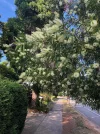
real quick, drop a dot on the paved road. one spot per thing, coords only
(90, 114)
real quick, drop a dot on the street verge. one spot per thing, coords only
(74, 123)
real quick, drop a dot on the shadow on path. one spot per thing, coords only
(50, 123)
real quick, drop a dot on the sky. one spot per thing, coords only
(7, 10)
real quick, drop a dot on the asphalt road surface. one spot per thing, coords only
(91, 115)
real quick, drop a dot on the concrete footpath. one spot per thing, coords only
(50, 123)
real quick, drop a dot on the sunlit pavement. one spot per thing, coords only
(50, 123)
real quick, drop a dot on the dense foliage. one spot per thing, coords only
(30, 14)
(64, 54)
(8, 72)
(36, 13)
(11, 30)
(46, 100)
(13, 107)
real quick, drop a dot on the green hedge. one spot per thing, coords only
(13, 107)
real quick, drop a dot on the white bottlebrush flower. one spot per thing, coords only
(5, 45)
(44, 73)
(40, 69)
(85, 1)
(65, 41)
(22, 75)
(96, 65)
(71, 11)
(19, 50)
(45, 50)
(28, 50)
(22, 54)
(29, 78)
(19, 81)
(95, 44)
(17, 58)
(83, 53)
(88, 73)
(86, 39)
(74, 56)
(98, 37)
(61, 65)
(63, 58)
(38, 35)
(71, 39)
(32, 59)
(52, 73)
(61, 38)
(48, 74)
(35, 73)
(58, 22)
(91, 47)
(94, 23)
(29, 38)
(79, 69)
(59, 83)
(45, 86)
(42, 59)
(85, 88)
(41, 81)
(96, 81)
(29, 68)
(60, 3)
(98, 84)
(91, 29)
(76, 74)
(75, 7)
(65, 79)
(90, 70)
(52, 29)
(38, 55)
(68, 83)
(61, 74)
(63, 85)
(80, 89)
(87, 45)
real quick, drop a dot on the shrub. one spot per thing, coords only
(46, 96)
(13, 107)
(8, 72)
(61, 94)
(44, 103)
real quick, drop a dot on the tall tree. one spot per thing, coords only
(57, 57)
(10, 30)
(30, 14)
(36, 13)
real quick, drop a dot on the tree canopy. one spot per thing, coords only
(10, 30)
(64, 54)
